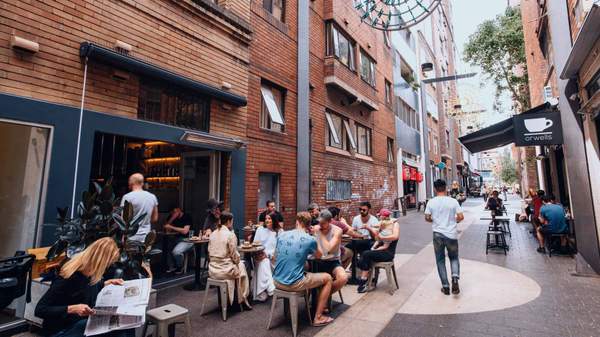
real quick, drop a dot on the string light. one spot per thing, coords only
(394, 14)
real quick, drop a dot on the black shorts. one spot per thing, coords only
(327, 266)
(546, 230)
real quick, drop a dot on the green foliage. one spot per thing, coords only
(498, 47)
(508, 170)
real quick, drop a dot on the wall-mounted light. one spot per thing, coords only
(426, 67)
(123, 47)
(226, 85)
(23, 44)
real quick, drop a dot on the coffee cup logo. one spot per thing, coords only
(538, 124)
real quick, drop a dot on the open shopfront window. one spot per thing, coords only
(178, 175)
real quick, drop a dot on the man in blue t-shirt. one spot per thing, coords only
(291, 253)
(553, 220)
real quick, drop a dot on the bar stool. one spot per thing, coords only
(290, 306)
(165, 317)
(223, 295)
(390, 273)
(499, 240)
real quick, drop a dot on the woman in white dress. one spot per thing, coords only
(267, 236)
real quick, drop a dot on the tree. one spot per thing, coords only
(498, 48)
(508, 170)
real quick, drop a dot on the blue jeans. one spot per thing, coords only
(179, 251)
(440, 244)
(77, 330)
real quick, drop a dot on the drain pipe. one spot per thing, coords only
(79, 137)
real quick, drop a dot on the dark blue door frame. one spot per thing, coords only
(64, 145)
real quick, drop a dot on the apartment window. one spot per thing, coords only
(448, 139)
(338, 190)
(388, 92)
(275, 7)
(363, 140)
(367, 68)
(390, 150)
(386, 38)
(340, 46)
(271, 112)
(174, 106)
(407, 114)
(338, 132)
(268, 188)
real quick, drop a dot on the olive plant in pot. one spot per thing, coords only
(99, 215)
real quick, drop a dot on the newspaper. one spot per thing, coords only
(120, 307)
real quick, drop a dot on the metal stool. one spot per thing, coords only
(499, 240)
(165, 317)
(223, 295)
(290, 299)
(390, 272)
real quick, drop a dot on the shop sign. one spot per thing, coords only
(441, 165)
(419, 177)
(413, 173)
(405, 172)
(538, 129)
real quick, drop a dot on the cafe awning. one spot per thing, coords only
(126, 62)
(499, 134)
(586, 39)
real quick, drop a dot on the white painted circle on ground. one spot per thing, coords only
(483, 286)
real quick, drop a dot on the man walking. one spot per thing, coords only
(444, 213)
(143, 202)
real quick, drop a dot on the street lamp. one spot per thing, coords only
(427, 67)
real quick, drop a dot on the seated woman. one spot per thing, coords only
(267, 236)
(367, 258)
(225, 261)
(69, 301)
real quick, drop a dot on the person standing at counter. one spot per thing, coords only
(143, 202)
(68, 303)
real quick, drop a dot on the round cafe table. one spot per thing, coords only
(198, 283)
(353, 279)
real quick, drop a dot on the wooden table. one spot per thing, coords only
(247, 252)
(198, 283)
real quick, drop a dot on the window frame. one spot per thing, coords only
(390, 150)
(265, 120)
(370, 66)
(388, 92)
(270, 4)
(332, 132)
(368, 134)
(333, 34)
(331, 181)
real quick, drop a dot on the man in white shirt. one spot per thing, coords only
(359, 224)
(444, 213)
(142, 202)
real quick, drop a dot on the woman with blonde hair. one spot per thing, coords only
(69, 301)
(225, 263)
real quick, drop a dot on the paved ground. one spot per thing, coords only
(522, 294)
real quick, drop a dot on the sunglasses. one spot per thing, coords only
(365, 210)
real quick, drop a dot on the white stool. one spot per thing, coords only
(223, 295)
(165, 316)
(290, 299)
(390, 272)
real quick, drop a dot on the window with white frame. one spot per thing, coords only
(390, 150)
(338, 190)
(271, 113)
(340, 46)
(388, 92)
(363, 140)
(339, 134)
(367, 68)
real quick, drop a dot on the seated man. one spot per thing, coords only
(553, 221)
(271, 210)
(329, 240)
(293, 248)
(346, 229)
(179, 222)
(494, 203)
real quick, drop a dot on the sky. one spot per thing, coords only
(477, 92)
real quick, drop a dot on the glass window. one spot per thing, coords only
(390, 150)
(268, 188)
(174, 106)
(363, 140)
(367, 68)
(271, 113)
(275, 7)
(338, 132)
(338, 189)
(388, 92)
(340, 46)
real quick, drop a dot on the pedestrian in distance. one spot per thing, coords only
(444, 213)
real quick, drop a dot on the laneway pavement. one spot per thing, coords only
(521, 294)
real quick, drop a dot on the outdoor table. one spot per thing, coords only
(495, 222)
(353, 240)
(198, 283)
(248, 251)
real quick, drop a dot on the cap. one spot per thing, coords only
(213, 203)
(325, 215)
(384, 212)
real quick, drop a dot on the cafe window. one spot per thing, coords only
(340, 46)
(174, 106)
(390, 150)
(388, 92)
(271, 112)
(338, 190)
(275, 7)
(363, 140)
(339, 134)
(367, 68)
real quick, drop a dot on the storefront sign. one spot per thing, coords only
(538, 129)
(405, 172)
(413, 173)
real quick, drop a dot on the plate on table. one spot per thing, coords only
(256, 243)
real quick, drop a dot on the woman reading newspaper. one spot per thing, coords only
(68, 303)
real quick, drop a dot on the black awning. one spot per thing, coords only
(108, 56)
(491, 137)
(499, 134)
